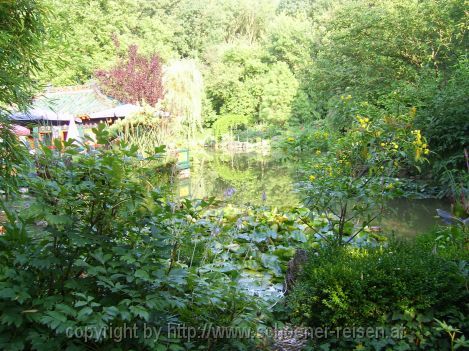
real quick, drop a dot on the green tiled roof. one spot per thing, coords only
(75, 101)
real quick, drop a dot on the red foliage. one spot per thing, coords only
(134, 79)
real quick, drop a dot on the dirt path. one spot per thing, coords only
(289, 339)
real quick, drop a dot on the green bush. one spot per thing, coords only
(310, 139)
(257, 132)
(407, 283)
(98, 248)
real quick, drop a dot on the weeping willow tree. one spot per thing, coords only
(183, 96)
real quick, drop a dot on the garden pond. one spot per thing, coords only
(256, 179)
(255, 243)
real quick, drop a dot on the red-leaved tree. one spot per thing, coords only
(134, 79)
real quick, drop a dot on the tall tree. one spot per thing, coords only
(290, 40)
(279, 90)
(22, 32)
(135, 79)
(84, 30)
(183, 94)
(375, 49)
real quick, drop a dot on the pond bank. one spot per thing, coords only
(237, 146)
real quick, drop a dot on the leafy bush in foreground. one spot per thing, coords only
(406, 284)
(98, 249)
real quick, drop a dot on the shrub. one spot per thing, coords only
(351, 182)
(257, 132)
(145, 130)
(98, 248)
(314, 139)
(403, 284)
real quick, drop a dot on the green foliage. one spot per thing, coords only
(145, 130)
(21, 40)
(249, 19)
(99, 243)
(289, 40)
(13, 157)
(256, 243)
(235, 82)
(445, 122)
(22, 32)
(183, 96)
(456, 342)
(351, 182)
(228, 123)
(202, 24)
(394, 55)
(303, 109)
(258, 132)
(410, 38)
(99, 246)
(401, 285)
(246, 82)
(279, 90)
(313, 139)
(208, 114)
(84, 34)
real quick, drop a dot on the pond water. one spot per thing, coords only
(265, 179)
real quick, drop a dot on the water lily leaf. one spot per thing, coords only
(299, 235)
(251, 264)
(271, 262)
(284, 253)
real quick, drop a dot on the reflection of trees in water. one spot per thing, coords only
(408, 217)
(250, 175)
(201, 173)
(233, 175)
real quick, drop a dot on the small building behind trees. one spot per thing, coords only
(51, 113)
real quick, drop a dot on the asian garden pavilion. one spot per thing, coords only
(51, 113)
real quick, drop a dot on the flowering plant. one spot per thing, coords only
(351, 183)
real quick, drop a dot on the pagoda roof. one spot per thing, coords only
(63, 103)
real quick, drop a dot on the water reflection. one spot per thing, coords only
(242, 179)
(406, 217)
(258, 179)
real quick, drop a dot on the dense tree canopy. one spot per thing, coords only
(291, 61)
(22, 33)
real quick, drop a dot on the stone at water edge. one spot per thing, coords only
(295, 265)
